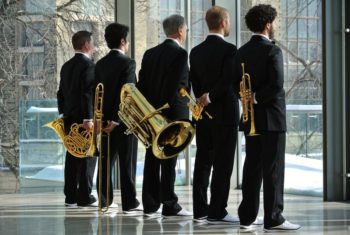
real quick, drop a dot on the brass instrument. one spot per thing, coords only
(247, 101)
(77, 142)
(196, 108)
(150, 127)
(98, 114)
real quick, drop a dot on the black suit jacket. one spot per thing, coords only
(114, 70)
(264, 63)
(75, 93)
(211, 71)
(164, 70)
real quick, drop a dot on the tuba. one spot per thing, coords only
(150, 127)
(196, 108)
(247, 101)
(80, 142)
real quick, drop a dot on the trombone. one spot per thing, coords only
(196, 108)
(247, 101)
(98, 108)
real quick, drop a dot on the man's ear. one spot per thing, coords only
(86, 45)
(268, 26)
(222, 23)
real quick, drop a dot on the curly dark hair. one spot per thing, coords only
(258, 16)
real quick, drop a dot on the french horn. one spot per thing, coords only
(80, 142)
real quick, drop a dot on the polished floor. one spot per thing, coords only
(45, 213)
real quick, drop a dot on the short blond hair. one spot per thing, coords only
(215, 15)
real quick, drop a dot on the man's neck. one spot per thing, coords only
(216, 34)
(84, 53)
(175, 39)
(121, 50)
(217, 31)
(263, 34)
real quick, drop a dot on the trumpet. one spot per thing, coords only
(247, 101)
(195, 107)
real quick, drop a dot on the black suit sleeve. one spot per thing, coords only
(178, 75)
(127, 76)
(129, 73)
(226, 81)
(274, 86)
(141, 84)
(60, 96)
(87, 86)
(194, 79)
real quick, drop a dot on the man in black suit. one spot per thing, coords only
(113, 71)
(210, 75)
(163, 71)
(264, 160)
(74, 98)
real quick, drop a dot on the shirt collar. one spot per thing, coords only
(85, 54)
(119, 50)
(175, 40)
(216, 34)
(262, 35)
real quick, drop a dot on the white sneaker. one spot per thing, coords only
(286, 225)
(71, 205)
(228, 219)
(253, 226)
(133, 210)
(113, 205)
(154, 213)
(258, 221)
(184, 212)
(94, 204)
(200, 219)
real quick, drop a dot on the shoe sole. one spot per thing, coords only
(199, 221)
(222, 222)
(280, 230)
(132, 212)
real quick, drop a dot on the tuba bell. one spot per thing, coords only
(80, 142)
(247, 101)
(150, 127)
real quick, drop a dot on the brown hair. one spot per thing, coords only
(79, 39)
(214, 16)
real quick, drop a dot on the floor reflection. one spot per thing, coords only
(27, 214)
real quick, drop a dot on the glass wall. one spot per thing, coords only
(299, 35)
(36, 42)
(41, 153)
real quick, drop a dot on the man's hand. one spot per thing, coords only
(110, 127)
(204, 100)
(88, 125)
